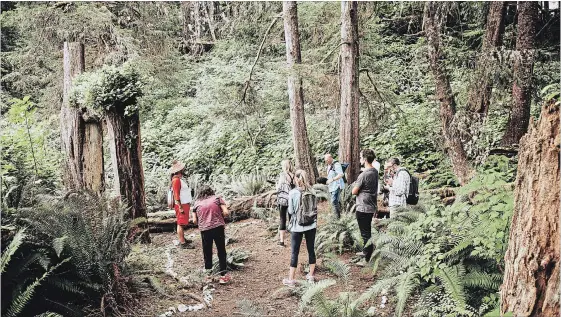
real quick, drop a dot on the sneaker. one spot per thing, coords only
(361, 263)
(225, 279)
(310, 278)
(360, 254)
(187, 246)
(281, 243)
(288, 282)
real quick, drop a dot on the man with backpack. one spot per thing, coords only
(335, 183)
(398, 186)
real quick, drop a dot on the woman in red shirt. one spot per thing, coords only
(210, 211)
(182, 199)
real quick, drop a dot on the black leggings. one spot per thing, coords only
(216, 235)
(296, 240)
(283, 210)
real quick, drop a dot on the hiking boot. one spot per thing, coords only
(288, 282)
(224, 279)
(187, 246)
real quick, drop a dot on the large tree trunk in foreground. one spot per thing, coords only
(82, 139)
(126, 156)
(349, 151)
(523, 68)
(452, 141)
(302, 152)
(479, 96)
(531, 280)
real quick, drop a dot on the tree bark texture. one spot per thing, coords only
(302, 152)
(523, 68)
(479, 96)
(71, 123)
(349, 151)
(82, 139)
(452, 142)
(126, 156)
(531, 281)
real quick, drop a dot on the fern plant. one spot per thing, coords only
(17, 276)
(451, 253)
(235, 260)
(338, 235)
(313, 298)
(95, 237)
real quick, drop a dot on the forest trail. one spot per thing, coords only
(259, 281)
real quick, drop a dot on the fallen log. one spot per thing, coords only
(240, 208)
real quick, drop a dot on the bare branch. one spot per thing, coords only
(248, 81)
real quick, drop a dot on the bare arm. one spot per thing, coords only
(225, 211)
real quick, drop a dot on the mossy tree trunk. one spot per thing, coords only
(523, 69)
(531, 281)
(126, 157)
(81, 134)
(349, 122)
(302, 153)
(433, 21)
(479, 96)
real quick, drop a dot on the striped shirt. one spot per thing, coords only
(209, 212)
(399, 188)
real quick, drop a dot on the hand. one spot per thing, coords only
(225, 214)
(387, 188)
(195, 221)
(181, 210)
(329, 181)
(389, 181)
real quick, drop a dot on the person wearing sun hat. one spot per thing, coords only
(182, 201)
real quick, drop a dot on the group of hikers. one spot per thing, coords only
(297, 205)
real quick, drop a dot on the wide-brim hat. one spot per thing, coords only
(176, 166)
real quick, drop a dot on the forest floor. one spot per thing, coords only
(259, 282)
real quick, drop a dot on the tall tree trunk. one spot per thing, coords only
(479, 95)
(523, 68)
(71, 123)
(302, 152)
(349, 151)
(454, 148)
(94, 171)
(531, 281)
(126, 156)
(82, 137)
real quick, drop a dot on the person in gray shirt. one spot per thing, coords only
(366, 189)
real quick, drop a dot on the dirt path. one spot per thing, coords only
(259, 282)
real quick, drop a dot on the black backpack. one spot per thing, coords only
(343, 167)
(307, 212)
(413, 194)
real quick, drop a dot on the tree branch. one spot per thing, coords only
(378, 92)
(331, 52)
(248, 81)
